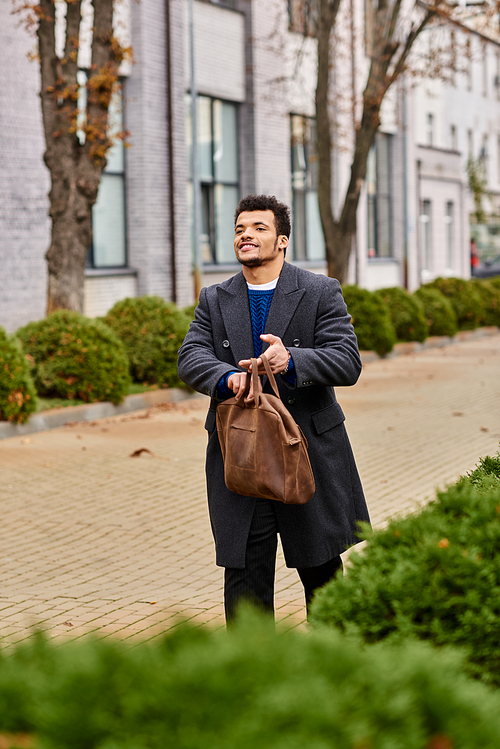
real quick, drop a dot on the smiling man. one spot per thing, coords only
(300, 320)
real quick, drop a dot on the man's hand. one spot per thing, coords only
(237, 383)
(277, 356)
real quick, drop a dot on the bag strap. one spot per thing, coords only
(270, 375)
(254, 377)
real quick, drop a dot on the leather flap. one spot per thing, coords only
(210, 420)
(327, 418)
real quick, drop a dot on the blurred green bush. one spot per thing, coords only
(189, 311)
(406, 312)
(371, 320)
(465, 299)
(152, 331)
(75, 357)
(490, 296)
(246, 688)
(17, 390)
(438, 311)
(434, 575)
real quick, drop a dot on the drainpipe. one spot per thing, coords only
(405, 186)
(198, 265)
(171, 175)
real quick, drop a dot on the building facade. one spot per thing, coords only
(255, 71)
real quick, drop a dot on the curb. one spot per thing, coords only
(58, 417)
(412, 347)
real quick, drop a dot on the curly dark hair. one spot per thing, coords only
(267, 203)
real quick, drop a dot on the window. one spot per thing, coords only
(426, 235)
(453, 138)
(449, 231)
(379, 198)
(307, 237)
(497, 77)
(468, 54)
(218, 173)
(303, 16)
(498, 157)
(430, 129)
(485, 69)
(470, 144)
(109, 239)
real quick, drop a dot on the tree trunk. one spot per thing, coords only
(75, 168)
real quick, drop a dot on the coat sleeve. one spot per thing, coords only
(197, 364)
(334, 360)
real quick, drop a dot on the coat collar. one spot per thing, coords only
(235, 309)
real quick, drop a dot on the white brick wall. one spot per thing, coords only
(101, 293)
(24, 180)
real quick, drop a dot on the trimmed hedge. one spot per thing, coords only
(371, 320)
(465, 299)
(407, 314)
(434, 575)
(17, 390)
(246, 688)
(438, 311)
(152, 331)
(76, 358)
(190, 310)
(490, 295)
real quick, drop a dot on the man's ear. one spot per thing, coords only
(282, 242)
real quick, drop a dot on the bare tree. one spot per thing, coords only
(76, 134)
(390, 43)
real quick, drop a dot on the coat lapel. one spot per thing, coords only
(286, 297)
(235, 311)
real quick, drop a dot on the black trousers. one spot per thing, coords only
(255, 583)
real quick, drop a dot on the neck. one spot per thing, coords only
(264, 273)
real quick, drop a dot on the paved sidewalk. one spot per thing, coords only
(93, 539)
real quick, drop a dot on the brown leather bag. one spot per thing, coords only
(264, 450)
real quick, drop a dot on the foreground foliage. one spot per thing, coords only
(74, 357)
(17, 391)
(490, 296)
(371, 320)
(434, 575)
(152, 331)
(407, 314)
(246, 688)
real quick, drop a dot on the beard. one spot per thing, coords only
(256, 262)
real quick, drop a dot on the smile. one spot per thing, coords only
(247, 246)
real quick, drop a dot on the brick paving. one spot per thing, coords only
(92, 539)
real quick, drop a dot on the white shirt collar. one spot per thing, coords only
(263, 286)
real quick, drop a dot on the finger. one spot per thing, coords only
(245, 363)
(270, 338)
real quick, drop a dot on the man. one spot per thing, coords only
(301, 321)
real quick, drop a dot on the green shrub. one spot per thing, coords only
(152, 331)
(247, 688)
(495, 280)
(189, 311)
(75, 357)
(490, 295)
(371, 320)
(434, 575)
(407, 314)
(438, 311)
(17, 391)
(465, 299)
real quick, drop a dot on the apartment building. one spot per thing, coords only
(254, 74)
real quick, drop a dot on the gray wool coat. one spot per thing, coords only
(309, 314)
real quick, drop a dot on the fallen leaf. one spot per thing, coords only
(68, 624)
(152, 603)
(26, 441)
(140, 451)
(484, 429)
(457, 413)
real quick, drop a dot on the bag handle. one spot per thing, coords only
(270, 375)
(254, 377)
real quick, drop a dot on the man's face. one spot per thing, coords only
(255, 239)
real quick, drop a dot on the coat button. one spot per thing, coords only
(290, 401)
(225, 344)
(296, 342)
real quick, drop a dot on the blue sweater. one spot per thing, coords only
(260, 303)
